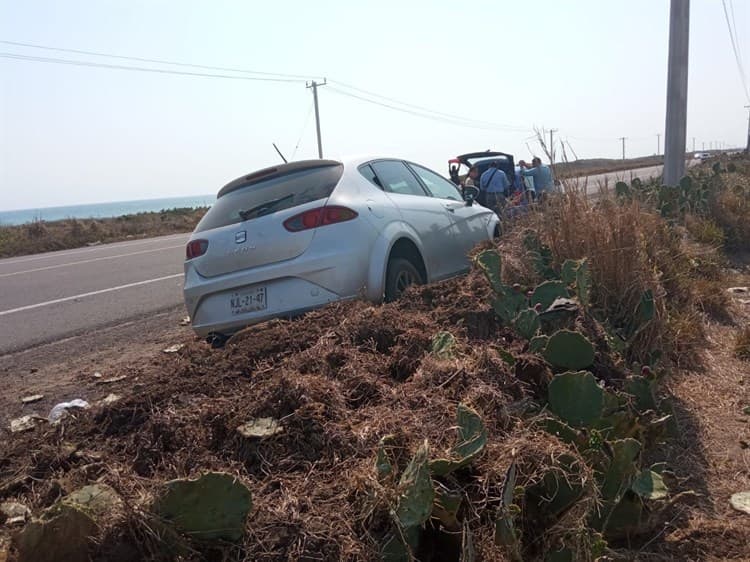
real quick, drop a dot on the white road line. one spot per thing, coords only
(91, 260)
(90, 294)
(107, 246)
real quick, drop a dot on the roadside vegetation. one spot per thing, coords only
(576, 396)
(45, 236)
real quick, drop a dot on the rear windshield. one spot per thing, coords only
(271, 195)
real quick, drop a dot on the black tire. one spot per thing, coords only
(401, 274)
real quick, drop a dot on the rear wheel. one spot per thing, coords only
(400, 275)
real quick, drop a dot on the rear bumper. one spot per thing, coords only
(291, 287)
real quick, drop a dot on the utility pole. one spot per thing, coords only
(314, 85)
(703, 144)
(677, 82)
(623, 146)
(747, 146)
(658, 143)
(693, 144)
(552, 145)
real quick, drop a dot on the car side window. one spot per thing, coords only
(395, 177)
(369, 175)
(439, 186)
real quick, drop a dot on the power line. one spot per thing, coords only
(427, 110)
(157, 61)
(468, 123)
(737, 57)
(15, 56)
(302, 132)
(736, 33)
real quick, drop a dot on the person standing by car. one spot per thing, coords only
(472, 179)
(494, 185)
(527, 183)
(542, 175)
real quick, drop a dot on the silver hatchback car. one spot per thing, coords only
(294, 237)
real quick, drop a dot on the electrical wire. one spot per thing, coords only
(427, 110)
(158, 61)
(736, 33)
(487, 127)
(15, 56)
(302, 132)
(737, 57)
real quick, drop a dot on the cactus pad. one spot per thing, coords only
(569, 350)
(490, 263)
(576, 398)
(546, 293)
(214, 506)
(472, 438)
(416, 492)
(527, 323)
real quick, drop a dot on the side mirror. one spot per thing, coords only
(470, 194)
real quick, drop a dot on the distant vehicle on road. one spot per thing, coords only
(702, 156)
(294, 237)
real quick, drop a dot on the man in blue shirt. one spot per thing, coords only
(494, 184)
(543, 182)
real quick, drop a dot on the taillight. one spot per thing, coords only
(319, 217)
(196, 248)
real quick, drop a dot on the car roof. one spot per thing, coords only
(283, 169)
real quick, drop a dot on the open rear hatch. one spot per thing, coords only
(245, 227)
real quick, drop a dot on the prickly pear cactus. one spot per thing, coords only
(443, 344)
(649, 485)
(416, 493)
(642, 390)
(490, 263)
(538, 343)
(583, 283)
(621, 468)
(622, 189)
(508, 304)
(576, 398)
(62, 534)
(568, 271)
(505, 525)
(546, 293)
(527, 323)
(472, 438)
(214, 506)
(569, 350)
(383, 466)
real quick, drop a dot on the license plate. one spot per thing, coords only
(248, 301)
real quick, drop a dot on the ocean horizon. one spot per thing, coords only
(103, 210)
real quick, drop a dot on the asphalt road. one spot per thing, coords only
(48, 297)
(593, 183)
(52, 296)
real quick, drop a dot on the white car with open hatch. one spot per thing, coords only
(294, 237)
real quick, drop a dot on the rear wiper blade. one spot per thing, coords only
(267, 206)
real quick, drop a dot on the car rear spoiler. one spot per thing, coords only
(273, 172)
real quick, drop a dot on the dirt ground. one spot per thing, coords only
(64, 370)
(340, 379)
(712, 453)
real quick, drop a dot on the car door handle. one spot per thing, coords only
(449, 207)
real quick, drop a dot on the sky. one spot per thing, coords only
(594, 70)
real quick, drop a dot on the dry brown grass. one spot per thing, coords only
(742, 343)
(41, 236)
(631, 249)
(729, 204)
